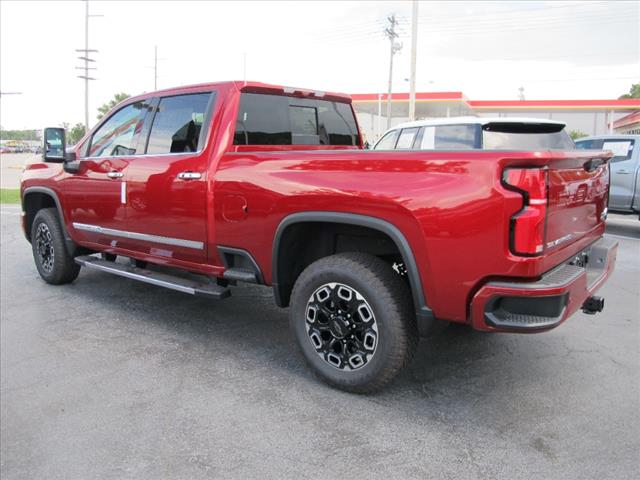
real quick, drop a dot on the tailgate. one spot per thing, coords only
(578, 191)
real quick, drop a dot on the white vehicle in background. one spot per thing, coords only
(472, 133)
(624, 194)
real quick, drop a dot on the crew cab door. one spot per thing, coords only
(167, 186)
(95, 187)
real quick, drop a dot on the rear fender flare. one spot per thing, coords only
(420, 304)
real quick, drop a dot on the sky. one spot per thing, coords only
(488, 50)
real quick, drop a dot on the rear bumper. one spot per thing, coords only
(546, 303)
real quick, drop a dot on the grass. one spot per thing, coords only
(9, 195)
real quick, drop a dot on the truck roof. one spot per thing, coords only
(613, 136)
(468, 120)
(251, 86)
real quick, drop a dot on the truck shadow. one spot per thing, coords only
(248, 331)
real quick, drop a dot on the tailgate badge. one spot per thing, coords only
(559, 240)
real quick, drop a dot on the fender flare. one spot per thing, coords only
(423, 312)
(70, 244)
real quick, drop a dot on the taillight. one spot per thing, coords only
(528, 225)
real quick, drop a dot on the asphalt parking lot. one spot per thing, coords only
(11, 165)
(106, 378)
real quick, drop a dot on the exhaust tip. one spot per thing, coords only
(593, 305)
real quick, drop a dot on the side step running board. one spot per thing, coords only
(160, 279)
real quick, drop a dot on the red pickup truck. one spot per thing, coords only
(200, 187)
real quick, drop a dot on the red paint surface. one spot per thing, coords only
(450, 206)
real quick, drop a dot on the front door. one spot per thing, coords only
(167, 187)
(94, 193)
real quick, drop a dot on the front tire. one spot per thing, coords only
(354, 321)
(53, 262)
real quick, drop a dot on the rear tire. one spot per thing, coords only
(53, 262)
(354, 321)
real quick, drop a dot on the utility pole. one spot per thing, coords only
(391, 34)
(155, 67)
(414, 48)
(85, 57)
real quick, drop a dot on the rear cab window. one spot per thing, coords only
(265, 119)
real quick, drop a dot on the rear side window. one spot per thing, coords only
(120, 133)
(279, 120)
(622, 149)
(523, 136)
(450, 137)
(177, 125)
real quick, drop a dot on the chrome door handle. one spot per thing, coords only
(115, 174)
(189, 175)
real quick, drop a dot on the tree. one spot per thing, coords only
(117, 98)
(18, 134)
(575, 134)
(75, 134)
(634, 92)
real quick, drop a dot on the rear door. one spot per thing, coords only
(167, 186)
(94, 194)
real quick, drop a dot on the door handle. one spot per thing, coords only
(622, 172)
(115, 174)
(189, 175)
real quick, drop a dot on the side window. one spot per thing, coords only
(622, 149)
(388, 142)
(120, 133)
(280, 120)
(177, 125)
(407, 136)
(455, 137)
(588, 144)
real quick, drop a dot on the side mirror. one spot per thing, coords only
(54, 145)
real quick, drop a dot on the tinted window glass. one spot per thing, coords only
(120, 133)
(525, 137)
(589, 144)
(405, 141)
(279, 120)
(453, 137)
(388, 142)
(622, 149)
(177, 125)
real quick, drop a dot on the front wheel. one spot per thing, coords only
(353, 319)
(53, 262)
